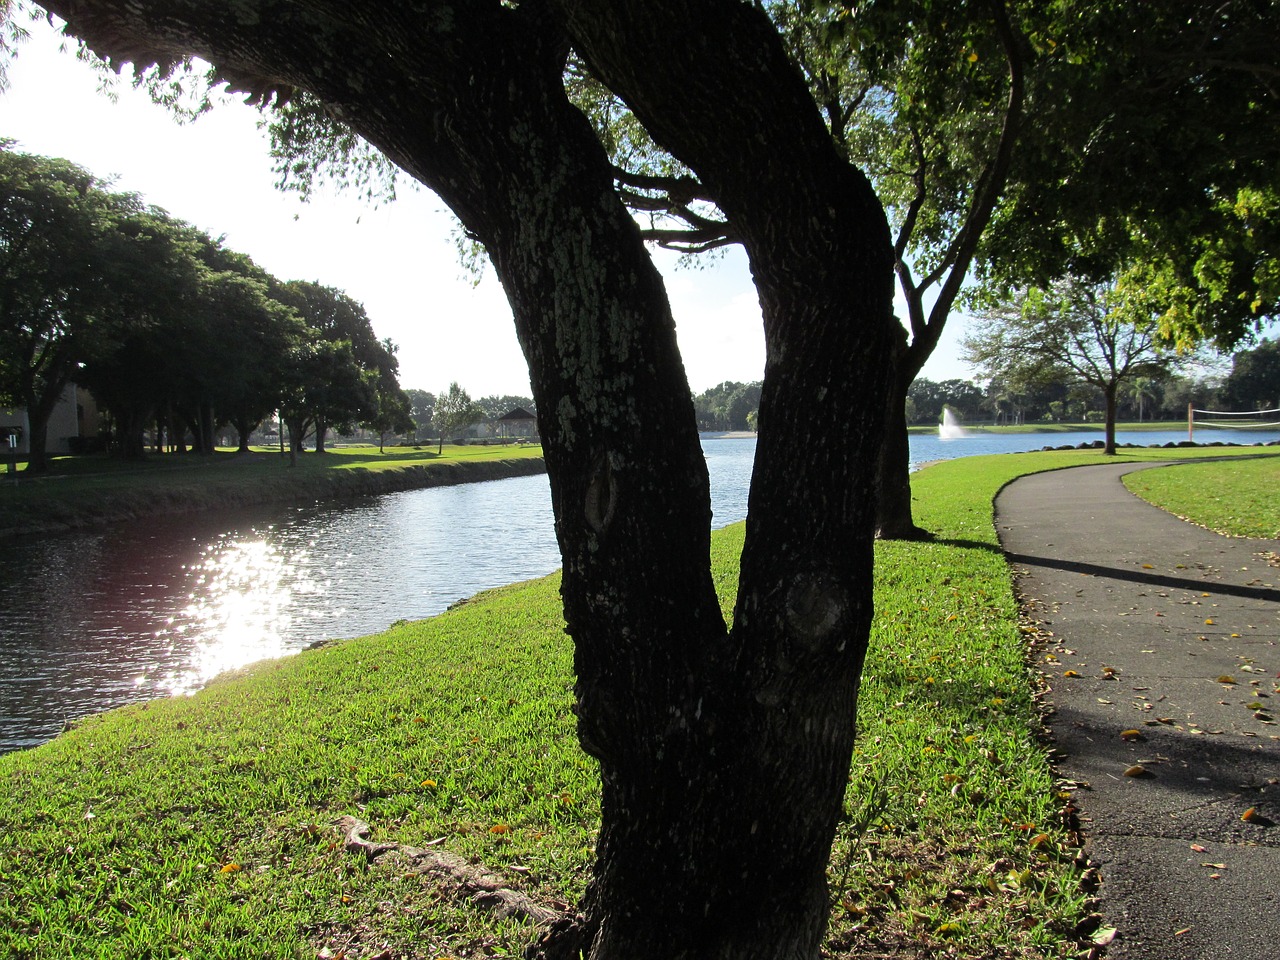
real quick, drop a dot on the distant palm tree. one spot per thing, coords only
(1142, 389)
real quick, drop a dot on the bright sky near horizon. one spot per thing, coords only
(398, 259)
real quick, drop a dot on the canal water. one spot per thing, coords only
(98, 619)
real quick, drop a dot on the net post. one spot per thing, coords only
(1191, 423)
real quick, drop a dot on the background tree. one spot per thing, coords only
(421, 406)
(1181, 390)
(393, 413)
(928, 398)
(454, 412)
(728, 406)
(343, 371)
(1142, 391)
(932, 100)
(1254, 380)
(65, 261)
(1070, 332)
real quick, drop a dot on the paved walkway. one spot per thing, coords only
(1156, 615)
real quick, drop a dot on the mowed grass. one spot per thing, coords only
(1235, 497)
(203, 827)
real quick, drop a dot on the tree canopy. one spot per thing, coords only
(454, 412)
(1254, 381)
(99, 287)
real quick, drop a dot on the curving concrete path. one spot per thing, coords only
(1155, 614)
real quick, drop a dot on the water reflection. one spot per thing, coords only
(157, 607)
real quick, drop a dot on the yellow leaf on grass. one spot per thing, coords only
(231, 868)
(500, 828)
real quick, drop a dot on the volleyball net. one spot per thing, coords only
(1231, 420)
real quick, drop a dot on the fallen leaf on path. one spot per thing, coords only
(1250, 815)
(1199, 848)
(1130, 734)
(1226, 679)
(1070, 673)
(1105, 936)
(1137, 770)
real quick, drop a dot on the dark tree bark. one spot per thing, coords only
(724, 757)
(895, 518)
(734, 859)
(244, 426)
(40, 393)
(1109, 392)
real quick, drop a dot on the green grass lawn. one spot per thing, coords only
(202, 827)
(1235, 497)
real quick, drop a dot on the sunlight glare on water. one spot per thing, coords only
(241, 611)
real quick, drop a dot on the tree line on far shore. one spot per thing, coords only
(1051, 393)
(167, 327)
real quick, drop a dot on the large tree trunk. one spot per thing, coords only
(721, 851)
(1109, 395)
(37, 442)
(723, 757)
(40, 405)
(894, 517)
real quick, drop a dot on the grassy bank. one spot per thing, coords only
(1236, 497)
(203, 827)
(79, 491)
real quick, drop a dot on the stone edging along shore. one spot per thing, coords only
(60, 516)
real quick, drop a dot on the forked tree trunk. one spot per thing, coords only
(720, 849)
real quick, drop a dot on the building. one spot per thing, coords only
(518, 423)
(74, 417)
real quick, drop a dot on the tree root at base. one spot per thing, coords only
(483, 887)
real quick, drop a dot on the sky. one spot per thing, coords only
(398, 259)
